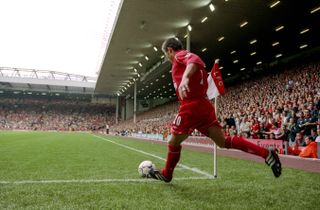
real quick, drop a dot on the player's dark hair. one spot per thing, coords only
(173, 43)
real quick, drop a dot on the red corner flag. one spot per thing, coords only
(215, 82)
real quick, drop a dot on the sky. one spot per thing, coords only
(58, 35)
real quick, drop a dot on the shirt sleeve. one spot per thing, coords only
(188, 58)
(195, 59)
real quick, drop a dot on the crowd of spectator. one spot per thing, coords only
(154, 121)
(281, 106)
(54, 114)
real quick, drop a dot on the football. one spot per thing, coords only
(145, 167)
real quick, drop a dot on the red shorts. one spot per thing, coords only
(195, 114)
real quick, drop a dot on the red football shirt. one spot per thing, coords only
(198, 83)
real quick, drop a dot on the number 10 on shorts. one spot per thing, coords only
(177, 120)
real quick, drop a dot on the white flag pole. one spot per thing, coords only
(214, 144)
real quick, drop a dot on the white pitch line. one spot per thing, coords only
(95, 181)
(155, 156)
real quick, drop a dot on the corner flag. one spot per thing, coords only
(215, 82)
(215, 88)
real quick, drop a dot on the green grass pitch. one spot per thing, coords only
(51, 170)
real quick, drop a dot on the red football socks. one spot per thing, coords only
(172, 160)
(246, 146)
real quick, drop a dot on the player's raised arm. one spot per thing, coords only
(184, 85)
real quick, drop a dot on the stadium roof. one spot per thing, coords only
(31, 80)
(248, 36)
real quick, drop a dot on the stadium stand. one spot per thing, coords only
(54, 114)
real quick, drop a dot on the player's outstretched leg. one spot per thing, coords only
(270, 155)
(235, 142)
